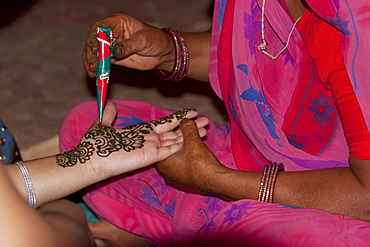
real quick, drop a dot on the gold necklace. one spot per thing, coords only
(262, 46)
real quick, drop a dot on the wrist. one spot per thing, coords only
(181, 62)
(231, 185)
(97, 170)
(217, 182)
(84, 161)
(168, 58)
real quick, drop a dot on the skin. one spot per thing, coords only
(59, 181)
(337, 190)
(344, 191)
(104, 141)
(58, 223)
(144, 47)
(61, 222)
(296, 8)
(108, 235)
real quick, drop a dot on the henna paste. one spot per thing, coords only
(179, 115)
(81, 153)
(104, 140)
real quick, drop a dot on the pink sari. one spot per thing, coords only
(278, 111)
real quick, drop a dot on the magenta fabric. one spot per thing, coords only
(278, 111)
(298, 122)
(142, 203)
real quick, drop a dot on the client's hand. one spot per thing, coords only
(111, 151)
(139, 45)
(194, 167)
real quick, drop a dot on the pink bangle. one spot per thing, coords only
(268, 181)
(181, 65)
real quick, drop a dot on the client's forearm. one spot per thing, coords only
(50, 181)
(60, 223)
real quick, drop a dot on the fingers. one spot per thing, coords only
(89, 61)
(89, 56)
(122, 49)
(119, 24)
(176, 136)
(172, 121)
(169, 137)
(135, 43)
(125, 48)
(165, 151)
(110, 113)
(189, 131)
(202, 122)
(172, 138)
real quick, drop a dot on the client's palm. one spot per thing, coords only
(115, 151)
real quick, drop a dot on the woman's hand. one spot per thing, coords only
(139, 45)
(113, 151)
(194, 168)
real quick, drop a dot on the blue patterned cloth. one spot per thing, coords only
(8, 149)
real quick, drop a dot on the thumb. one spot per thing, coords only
(110, 113)
(121, 50)
(189, 131)
(129, 46)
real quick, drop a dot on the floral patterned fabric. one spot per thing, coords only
(279, 110)
(298, 122)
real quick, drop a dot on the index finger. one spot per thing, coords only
(172, 121)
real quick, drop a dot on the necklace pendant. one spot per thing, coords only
(262, 46)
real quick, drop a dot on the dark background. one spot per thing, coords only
(41, 71)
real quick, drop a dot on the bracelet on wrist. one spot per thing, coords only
(268, 181)
(29, 185)
(181, 65)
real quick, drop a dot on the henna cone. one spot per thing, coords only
(102, 75)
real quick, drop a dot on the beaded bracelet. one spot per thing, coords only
(181, 65)
(267, 186)
(27, 179)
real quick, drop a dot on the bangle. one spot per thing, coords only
(27, 179)
(181, 65)
(267, 186)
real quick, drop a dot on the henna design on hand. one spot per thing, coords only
(105, 140)
(179, 115)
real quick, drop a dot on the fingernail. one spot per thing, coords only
(118, 51)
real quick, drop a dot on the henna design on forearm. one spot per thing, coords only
(81, 153)
(105, 140)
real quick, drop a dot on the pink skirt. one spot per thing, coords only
(142, 203)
